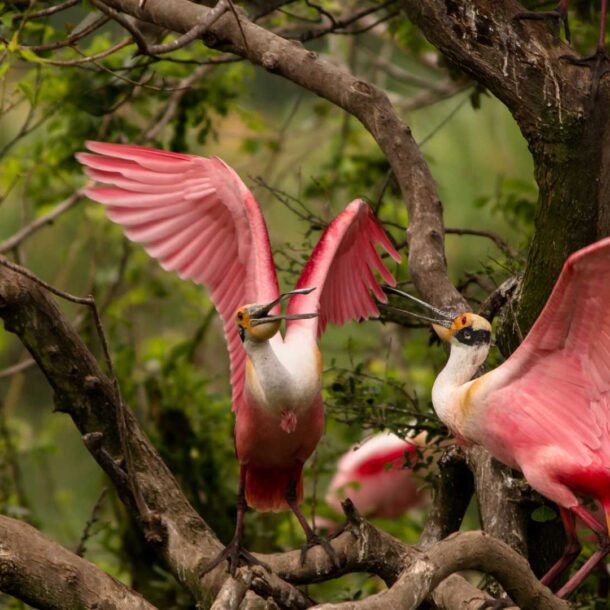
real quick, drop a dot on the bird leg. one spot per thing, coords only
(559, 14)
(234, 552)
(571, 551)
(312, 538)
(604, 548)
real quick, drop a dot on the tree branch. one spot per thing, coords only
(45, 575)
(358, 97)
(463, 551)
(519, 61)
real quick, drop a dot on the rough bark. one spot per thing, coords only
(560, 113)
(466, 551)
(566, 125)
(453, 488)
(45, 575)
(84, 392)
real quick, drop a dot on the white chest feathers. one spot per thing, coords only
(283, 378)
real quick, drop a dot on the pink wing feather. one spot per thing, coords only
(562, 368)
(197, 218)
(341, 268)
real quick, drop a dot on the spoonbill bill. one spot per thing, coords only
(376, 477)
(546, 409)
(197, 217)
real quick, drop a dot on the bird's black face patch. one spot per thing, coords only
(469, 336)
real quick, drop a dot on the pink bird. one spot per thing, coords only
(374, 476)
(199, 219)
(546, 409)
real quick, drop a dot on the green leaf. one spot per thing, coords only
(4, 69)
(27, 90)
(543, 514)
(29, 55)
(13, 45)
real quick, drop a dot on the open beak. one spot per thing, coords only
(440, 317)
(260, 316)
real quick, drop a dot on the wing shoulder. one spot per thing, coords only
(197, 218)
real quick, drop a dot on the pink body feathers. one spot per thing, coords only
(375, 478)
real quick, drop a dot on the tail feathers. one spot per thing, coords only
(266, 487)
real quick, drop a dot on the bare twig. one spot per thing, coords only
(15, 369)
(160, 122)
(500, 242)
(88, 58)
(81, 549)
(123, 21)
(25, 232)
(62, 6)
(208, 19)
(71, 40)
(12, 460)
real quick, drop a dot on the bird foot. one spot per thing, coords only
(496, 604)
(315, 540)
(558, 15)
(235, 554)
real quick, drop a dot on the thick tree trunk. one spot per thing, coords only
(566, 126)
(572, 169)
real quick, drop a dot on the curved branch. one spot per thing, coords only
(463, 551)
(45, 575)
(84, 392)
(356, 96)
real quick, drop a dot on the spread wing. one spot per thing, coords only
(197, 218)
(342, 268)
(563, 365)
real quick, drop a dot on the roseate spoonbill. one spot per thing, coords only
(546, 409)
(374, 476)
(199, 219)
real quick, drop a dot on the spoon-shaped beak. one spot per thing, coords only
(441, 318)
(260, 316)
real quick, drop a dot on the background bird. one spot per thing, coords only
(199, 219)
(377, 476)
(546, 409)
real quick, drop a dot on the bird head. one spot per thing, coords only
(254, 322)
(467, 329)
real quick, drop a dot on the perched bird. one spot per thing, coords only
(377, 476)
(199, 219)
(546, 409)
